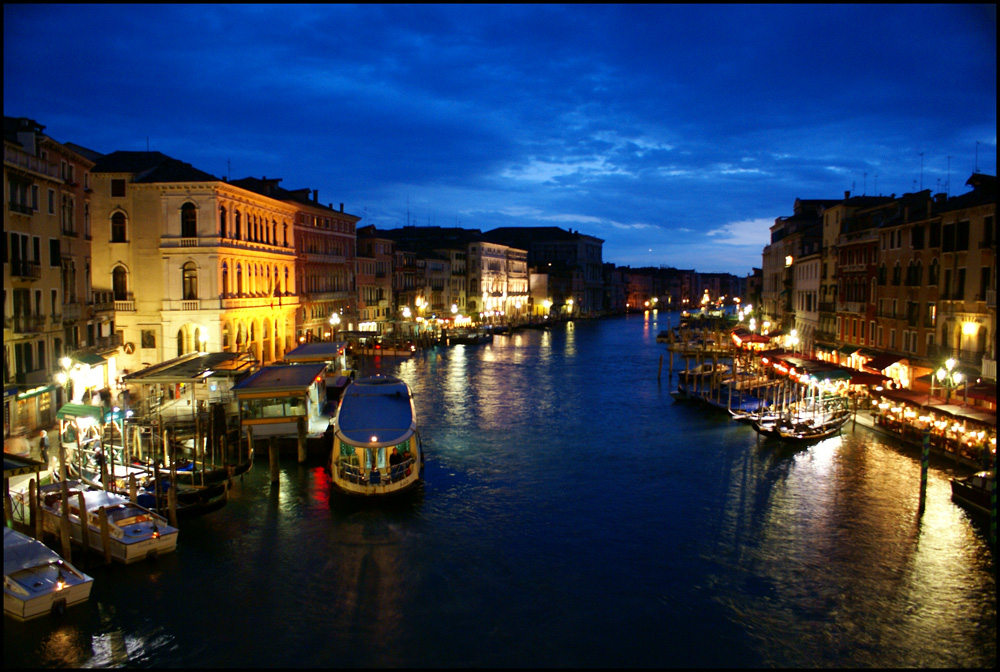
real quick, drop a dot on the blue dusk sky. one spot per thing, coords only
(675, 133)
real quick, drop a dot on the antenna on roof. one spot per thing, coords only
(976, 167)
(947, 185)
(228, 170)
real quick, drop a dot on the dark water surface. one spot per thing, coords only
(572, 514)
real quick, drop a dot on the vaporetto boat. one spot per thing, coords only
(36, 579)
(376, 444)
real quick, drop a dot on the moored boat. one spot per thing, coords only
(975, 491)
(134, 532)
(36, 579)
(376, 444)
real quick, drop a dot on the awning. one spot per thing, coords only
(883, 361)
(93, 360)
(80, 411)
(828, 347)
(35, 391)
(979, 415)
(984, 391)
(866, 378)
(848, 349)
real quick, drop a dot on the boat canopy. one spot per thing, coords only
(22, 552)
(376, 412)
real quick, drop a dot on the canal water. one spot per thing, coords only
(573, 514)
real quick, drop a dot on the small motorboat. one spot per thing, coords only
(36, 580)
(975, 491)
(134, 532)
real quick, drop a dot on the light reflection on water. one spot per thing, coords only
(573, 514)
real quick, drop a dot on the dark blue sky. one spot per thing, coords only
(675, 133)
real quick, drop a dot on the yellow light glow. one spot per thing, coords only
(970, 328)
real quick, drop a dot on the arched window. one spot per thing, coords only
(237, 224)
(225, 280)
(190, 280)
(285, 225)
(239, 280)
(222, 221)
(119, 283)
(180, 341)
(918, 274)
(118, 228)
(896, 270)
(934, 273)
(189, 221)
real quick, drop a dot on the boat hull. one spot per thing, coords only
(37, 581)
(135, 533)
(974, 492)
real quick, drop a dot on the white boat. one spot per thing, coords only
(135, 532)
(376, 445)
(36, 580)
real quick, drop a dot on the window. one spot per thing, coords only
(237, 224)
(917, 237)
(118, 228)
(52, 202)
(962, 235)
(190, 280)
(55, 258)
(189, 221)
(119, 283)
(222, 221)
(118, 188)
(948, 238)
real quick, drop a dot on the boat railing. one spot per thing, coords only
(353, 473)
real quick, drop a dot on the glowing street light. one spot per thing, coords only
(949, 378)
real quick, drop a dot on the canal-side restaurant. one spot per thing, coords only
(958, 411)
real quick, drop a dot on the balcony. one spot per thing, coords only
(25, 270)
(989, 368)
(26, 161)
(104, 343)
(71, 312)
(852, 307)
(25, 324)
(124, 306)
(940, 353)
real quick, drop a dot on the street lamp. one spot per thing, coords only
(949, 378)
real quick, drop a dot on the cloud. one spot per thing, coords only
(754, 233)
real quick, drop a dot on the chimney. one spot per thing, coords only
(847, 195)
(315, 195)
(341, 207)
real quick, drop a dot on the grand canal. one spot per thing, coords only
(573, 514)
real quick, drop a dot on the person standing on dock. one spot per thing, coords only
(43, 446)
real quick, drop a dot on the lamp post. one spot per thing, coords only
(949, 378)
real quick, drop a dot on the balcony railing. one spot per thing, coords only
(124, 306)
(26, 270)
(30, 162)
(940, 353)
(26, 324)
